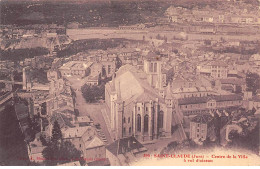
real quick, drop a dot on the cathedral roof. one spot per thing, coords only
(132, 85)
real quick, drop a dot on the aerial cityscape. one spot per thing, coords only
(108, 83)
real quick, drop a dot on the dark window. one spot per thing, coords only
(155, 67)
(138, 122)
(124, 119)
(151, 67)
(109, 69)
(128, 119)
(130, 130)
(161, 119)
(124, 130)
(146, 119)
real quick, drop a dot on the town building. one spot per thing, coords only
(215, 69)
(35, 149)
(75, 69)
(231, 84)
(191, 86)
(201, 128)
(124, 151)
(86, 140)
(207, 104)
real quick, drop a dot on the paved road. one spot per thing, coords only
(93, 110)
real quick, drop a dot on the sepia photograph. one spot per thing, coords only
(129, 82)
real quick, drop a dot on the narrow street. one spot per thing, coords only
(91, 109)
(94, 111)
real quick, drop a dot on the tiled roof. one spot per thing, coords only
(153, 56)
(218, 63)
(62, 120)
(104, 162)
(255, 98)
(218, 98)
(93, 142)
(202, 119)
(233, 81)
(75, 132)
(125, 145)
(227, 87)
(133, 85)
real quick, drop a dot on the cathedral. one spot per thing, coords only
(139, 104)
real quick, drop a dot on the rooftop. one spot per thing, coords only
(218, 98)
(202, 119)
(93, 142)
(76, 65)
(125, 145)
(75, 132)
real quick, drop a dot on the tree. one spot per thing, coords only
(69, 151)
(172, 145)
(252, 82)
(56, 132)
(233, 135)
(62, 153)
(118, 62)
(44, 142)
(238, 89)
(207, 143)
(253, 110)
(51, 154)
(94, 93)
(59, 151)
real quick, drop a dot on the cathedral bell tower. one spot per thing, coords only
(119, 113)
(153, 68)
(169, 111)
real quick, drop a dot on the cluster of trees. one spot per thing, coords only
(95, 93)
(252, 82)
(5, 76)
(18, 76)
(179, 146)
(237, 50)
(21, 54)
(95, 13)
(59, 151)
(247, 139)
(88, 44)
(40, 75)
(33, 128)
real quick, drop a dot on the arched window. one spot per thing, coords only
(138, 122)
(160, 119)
(146, 119)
